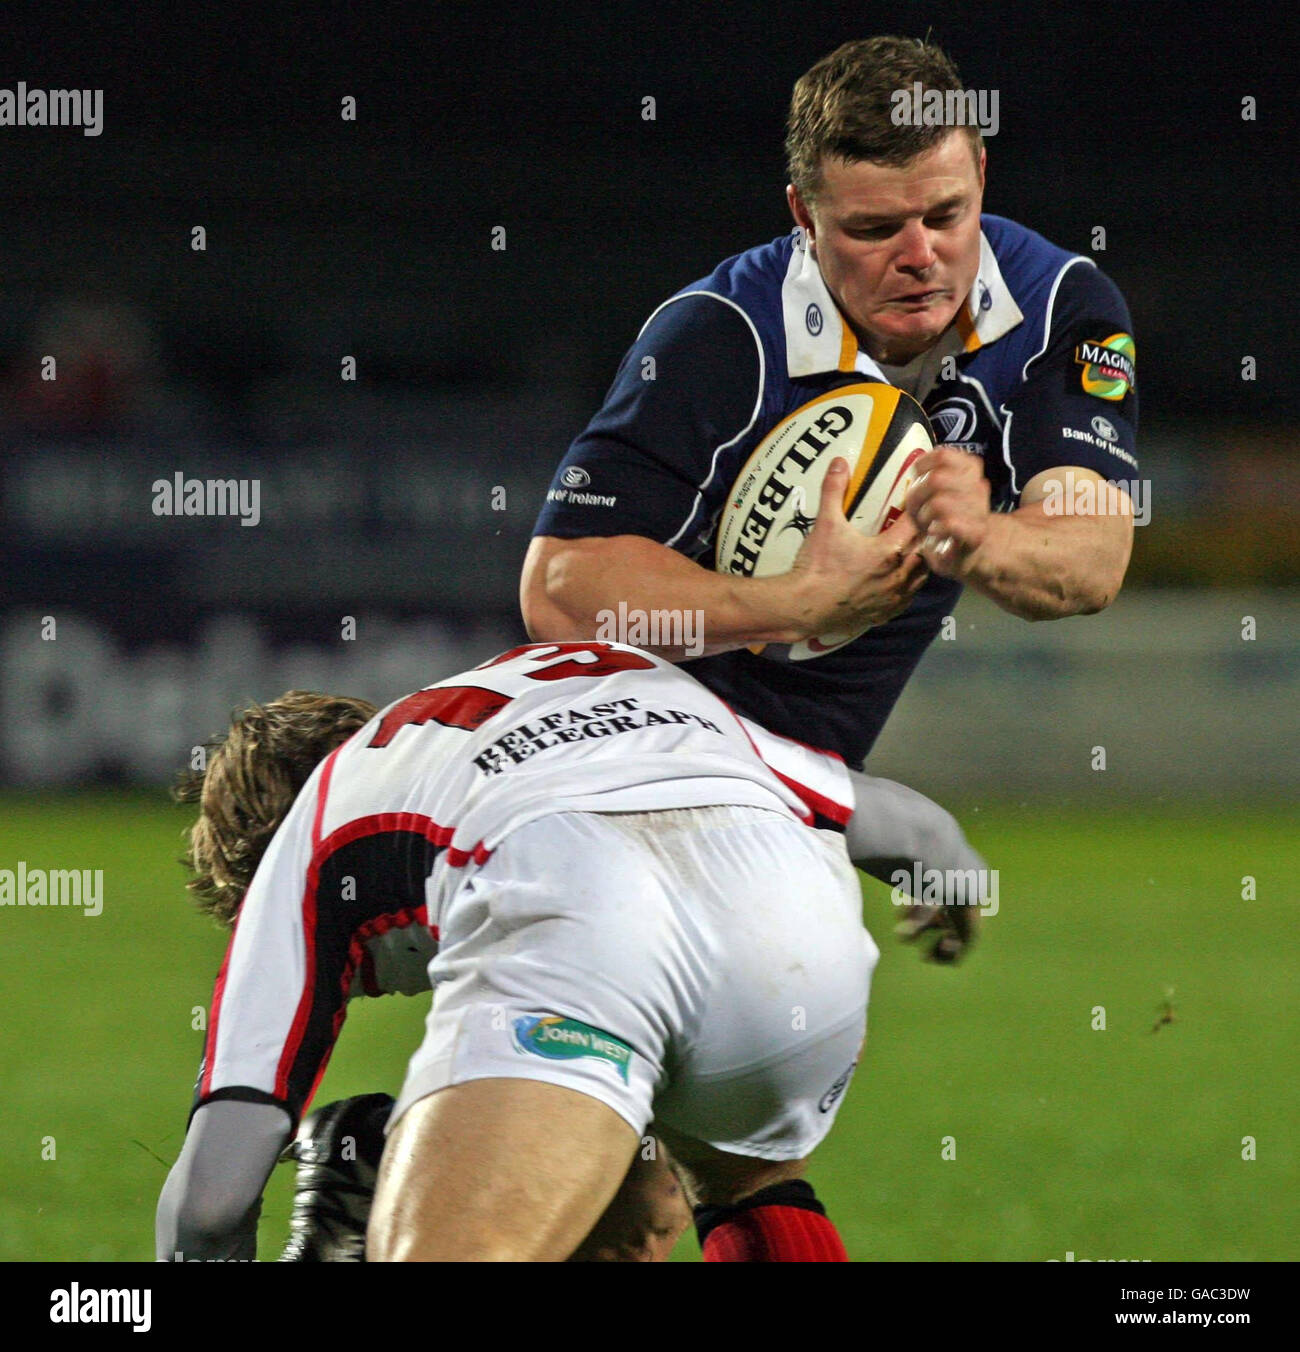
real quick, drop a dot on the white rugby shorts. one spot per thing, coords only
(703, 967)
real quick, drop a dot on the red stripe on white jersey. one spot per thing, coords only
(210, 1048)
(826, 807)
(322, 793)
(795, 763)
(354, 830)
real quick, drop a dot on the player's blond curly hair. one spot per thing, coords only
(253, 775)
(841, 107)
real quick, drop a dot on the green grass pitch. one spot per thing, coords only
(1118, 1144)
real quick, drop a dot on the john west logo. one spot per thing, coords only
(1109, 365)
(560, 1039)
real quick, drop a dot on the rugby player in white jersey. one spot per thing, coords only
(640, 916)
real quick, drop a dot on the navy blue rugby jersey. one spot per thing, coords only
(1036, 372)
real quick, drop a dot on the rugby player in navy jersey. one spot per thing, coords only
(1020, 352)
(1023, 357)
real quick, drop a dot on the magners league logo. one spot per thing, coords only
(1109, 366)
(560, 1039)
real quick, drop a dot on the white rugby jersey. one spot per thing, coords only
(348, 896)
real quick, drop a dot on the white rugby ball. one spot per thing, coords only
(880, 430)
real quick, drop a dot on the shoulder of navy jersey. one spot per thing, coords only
(1035, 276)
(1035, 407)
(780, 288)
(714, 368)
(753, 283)
(750, 280)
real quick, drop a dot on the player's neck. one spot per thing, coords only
(900, 352)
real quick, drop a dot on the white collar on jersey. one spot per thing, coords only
(818, 340)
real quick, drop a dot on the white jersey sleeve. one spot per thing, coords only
(320, 923)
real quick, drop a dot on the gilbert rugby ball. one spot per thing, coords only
(880, 430)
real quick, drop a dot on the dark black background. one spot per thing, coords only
(470, 116)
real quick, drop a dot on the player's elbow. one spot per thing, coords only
(203, 1222)
(1086, 592)
(213, 1225)
(1098, 598)
(1103, 584)
(542, 593)
(1114, 549)
(540, 620)
(1085, 599)
(566, 585)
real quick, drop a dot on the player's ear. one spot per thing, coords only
(799, 209)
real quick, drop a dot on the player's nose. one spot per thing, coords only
(916, 248)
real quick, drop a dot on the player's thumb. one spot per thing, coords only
(835, 487)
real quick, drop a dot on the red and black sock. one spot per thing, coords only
(784, 1223)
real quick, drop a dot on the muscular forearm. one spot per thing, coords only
(840, 581)
(1063, 552)
(579, 582)
(1043, 567)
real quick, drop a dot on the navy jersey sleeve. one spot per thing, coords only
(688, 388)
(1078, 403)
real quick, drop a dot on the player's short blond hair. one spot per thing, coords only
(841, 107)
(252, 776)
